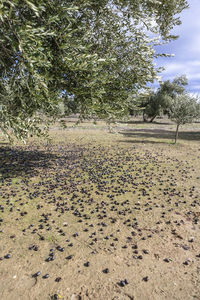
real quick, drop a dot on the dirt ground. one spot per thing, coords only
(98, 215)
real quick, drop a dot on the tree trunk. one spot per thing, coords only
(176, 136)
(152, 119)
(144, 117)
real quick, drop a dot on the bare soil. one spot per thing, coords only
(104, 216)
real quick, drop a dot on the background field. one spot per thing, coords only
(112, 206)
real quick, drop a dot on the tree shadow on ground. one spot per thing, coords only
(20, 162)
(143, 141)
(158, 134)
(144, 123)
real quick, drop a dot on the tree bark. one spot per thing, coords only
(152, 119)
(144, 117)
(176, 136)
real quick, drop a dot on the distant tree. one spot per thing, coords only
(160, 101)
(155, 105)
(184, 109)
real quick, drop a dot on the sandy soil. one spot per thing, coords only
(104, 217)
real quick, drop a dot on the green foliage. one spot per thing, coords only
(160, 101)
(184, 109)
(99, 52)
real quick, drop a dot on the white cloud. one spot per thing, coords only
(193, 76)
(173, 68)
(186, 49)
(195, 63)
(190, 68)
(196, 87)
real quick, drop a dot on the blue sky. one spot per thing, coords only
(186, 49)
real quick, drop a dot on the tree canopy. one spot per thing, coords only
(161, 100)
(98, 52)
(184, 109)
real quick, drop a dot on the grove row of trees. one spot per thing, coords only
(100, 53)
(173, 100)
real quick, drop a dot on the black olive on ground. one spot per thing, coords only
(145, 278)
(36, 274)
(58, 279)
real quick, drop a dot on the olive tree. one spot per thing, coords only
(98, 53)
(160, 101)
(184, 109)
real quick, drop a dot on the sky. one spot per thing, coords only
(186, 49)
